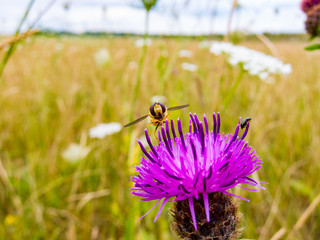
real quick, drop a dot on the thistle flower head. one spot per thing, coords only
(194, 165)
(312, 23)
(307, 5)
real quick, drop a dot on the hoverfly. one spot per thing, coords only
(158, 114)
(245, 122)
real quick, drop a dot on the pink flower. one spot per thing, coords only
(306, 5)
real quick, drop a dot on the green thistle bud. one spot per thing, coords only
(149, 4)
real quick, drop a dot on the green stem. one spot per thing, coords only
(11, 49)
(228, 99)
(130, 228)
(170, 66)
(146, 26)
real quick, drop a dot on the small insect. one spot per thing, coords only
(245, 122)
(158, 114)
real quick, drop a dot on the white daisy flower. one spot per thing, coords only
(102, 57)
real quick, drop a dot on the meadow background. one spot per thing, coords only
(52, 91)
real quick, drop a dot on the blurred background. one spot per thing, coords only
(179, 17)
(73, 73)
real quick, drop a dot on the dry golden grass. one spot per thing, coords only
(52, 92)
(15, 39)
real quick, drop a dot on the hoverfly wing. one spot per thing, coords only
(178, 107)
(136, 121)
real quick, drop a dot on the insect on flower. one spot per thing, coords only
(158, 114)
(245, 122)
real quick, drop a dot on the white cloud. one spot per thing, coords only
(170, 17)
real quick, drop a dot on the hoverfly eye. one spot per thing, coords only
(163, 107)
(152, 109)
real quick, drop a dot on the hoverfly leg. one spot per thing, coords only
(148, 128)
(158, 124)
(168, 117)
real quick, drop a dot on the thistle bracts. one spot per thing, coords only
(224, 218)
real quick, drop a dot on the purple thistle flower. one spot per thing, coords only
(199, 162)
(307, 5)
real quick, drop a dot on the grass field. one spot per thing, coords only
(52, 92)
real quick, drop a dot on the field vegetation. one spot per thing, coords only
(52, 92)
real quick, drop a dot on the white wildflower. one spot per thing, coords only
(189, 67)
(75, 153)
(133, 65)
(185, 53)
(104, 129)
(142, 42)
(158, 99)
(205, 44)
(263, 75)
(256, 63)
(102, 57)
(287, 69)
(269, 79)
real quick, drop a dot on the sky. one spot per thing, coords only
(178, 17)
